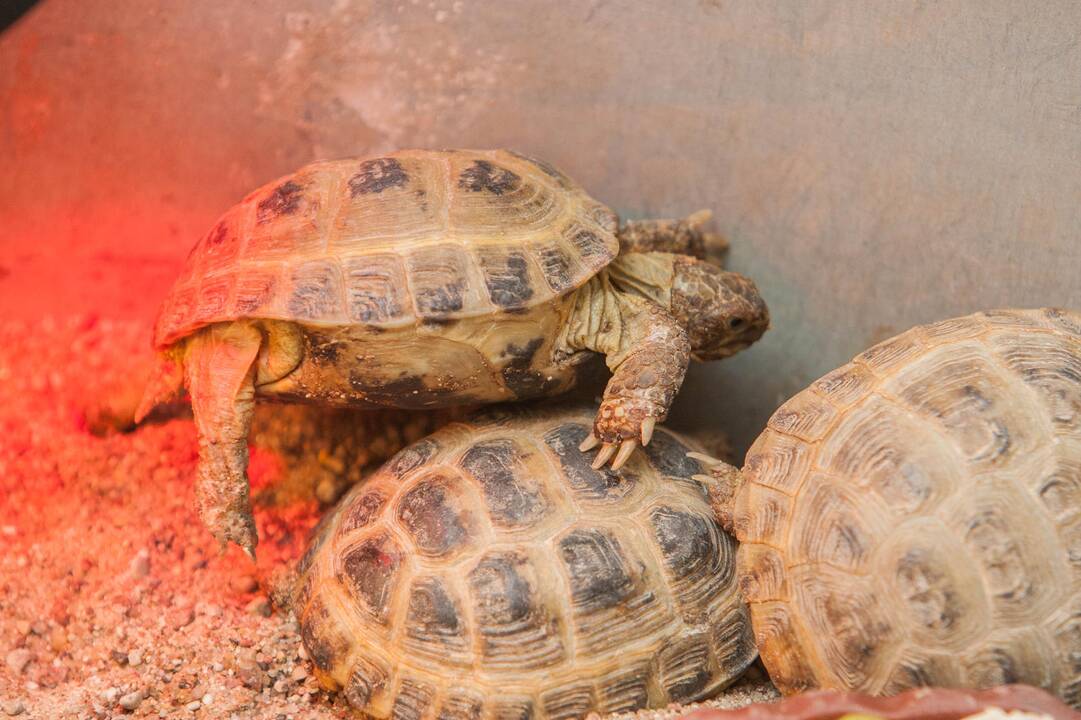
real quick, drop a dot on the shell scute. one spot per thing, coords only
(513, 496)
(514, 627)
(369, 570)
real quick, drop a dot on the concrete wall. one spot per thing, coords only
(875, 164)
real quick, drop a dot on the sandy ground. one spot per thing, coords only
(113, 599)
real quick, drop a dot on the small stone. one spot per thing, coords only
(193, 706)
(132, 700)
(17, 660)
(281, 686)
(244, 584)
(259, 606)
(119, 657)
(58, 640)
(140, 564)
(217, 667)
(110, 695)
(22, 627)
(13, 708)
(135, 658)
(39, 628)
(181, 617)
(299, 674)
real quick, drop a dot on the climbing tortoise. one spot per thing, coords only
(914, 517)
(426, 279)
(489, 571)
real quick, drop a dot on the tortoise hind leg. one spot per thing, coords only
(220, 369)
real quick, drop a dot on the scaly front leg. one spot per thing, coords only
(219, 366)
(647, 374)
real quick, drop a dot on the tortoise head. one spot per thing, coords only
(722, 311)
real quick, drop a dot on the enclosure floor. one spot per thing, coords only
(111, 592)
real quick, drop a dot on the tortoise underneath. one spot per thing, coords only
(425, 279)
(487, 571)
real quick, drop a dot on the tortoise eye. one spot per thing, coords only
(735, 323)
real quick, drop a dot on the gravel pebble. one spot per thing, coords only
(259, 606)
(193, 706)
(13, 708)
(18, 659)
(244, 584)
(135, 658)
(132, 700)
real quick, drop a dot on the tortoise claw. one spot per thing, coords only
(589, 443)
(604, 455)
(647, 430)
(707, 460)
(624, 454)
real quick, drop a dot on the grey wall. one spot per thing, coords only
(875, 164)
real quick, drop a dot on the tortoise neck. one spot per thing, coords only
(646, 275)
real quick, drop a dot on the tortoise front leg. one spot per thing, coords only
(682, 237)
(220, 374)
(646, 377)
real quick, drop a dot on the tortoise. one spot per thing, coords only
(489, 570)
(427, 279)
(914, 517)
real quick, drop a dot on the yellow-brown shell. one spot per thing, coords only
(914, 517)
(387, 241)
(488, 571)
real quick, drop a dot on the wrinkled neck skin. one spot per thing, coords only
(609, 308)
(647, 275)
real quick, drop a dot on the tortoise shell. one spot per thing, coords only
(387, 241)
(487, 570)
(914, 517)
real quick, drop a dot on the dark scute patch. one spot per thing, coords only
(684, 670)
(512, 498)
(217, 236)
(507, 280)
(501, 595)
(377, 175)
(253, 292)
(589, 244)
(318, 633)
(363, 510)
(432, 612)
(669, 456)
(461, 707)
(598, 572)
(323, 351)
(512, 709)
(686, 540)
(625, 691)
(411, 457)
(595, 484)
(565, 703)
(407, 391)
(483, 176)
(370, 570)
(441, 299)
(316, 293)
(518, 375)
(366, 680)
(374, 290)
(412, 701)
(556, 267)
(283, 200)
(427, 513)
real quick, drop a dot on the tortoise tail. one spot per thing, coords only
(166, 384)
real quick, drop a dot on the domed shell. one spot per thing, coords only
(487, 570)
(387, 241)
(914, 517)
